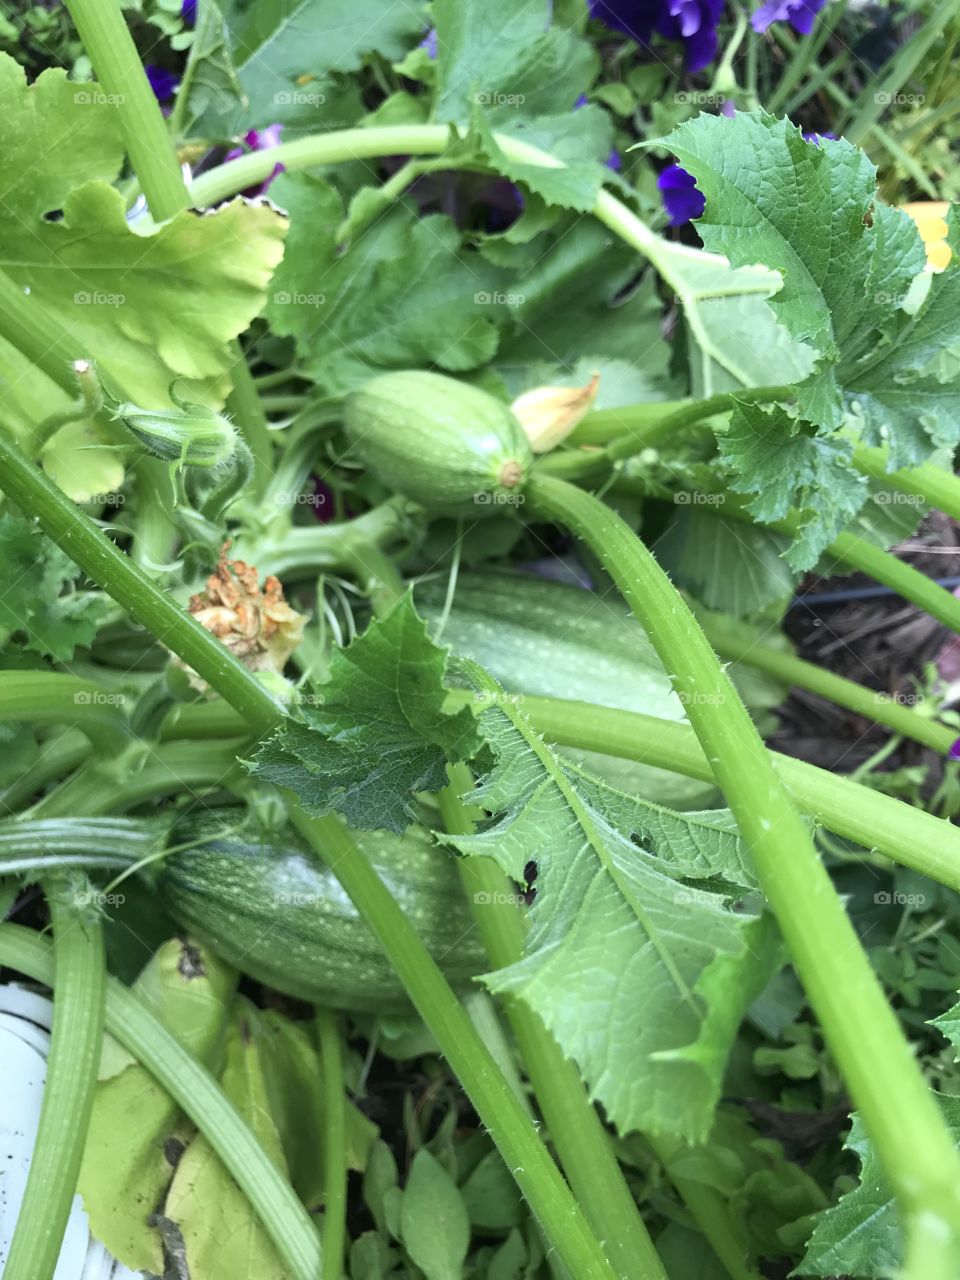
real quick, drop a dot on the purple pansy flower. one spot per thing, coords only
(694, 22)
(799, 13)
(259, 140)
(429, 42)
(188, 12)
(681, 199)
(163, 82)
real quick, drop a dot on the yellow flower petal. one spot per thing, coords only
(930, 217)
(549, 414)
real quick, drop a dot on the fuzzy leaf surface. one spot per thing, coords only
(377, 732)
(642, 978)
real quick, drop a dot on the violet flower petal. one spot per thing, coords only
(163, 82)
(801, 14)
(681, 198)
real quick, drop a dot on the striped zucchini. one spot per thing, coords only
(442, 443)
(273, 912)
(549, 639)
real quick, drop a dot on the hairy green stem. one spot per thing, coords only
(304, 551)
(76, 1037)
(49, 697)
(521, 1147)
(668, 258)
(334, 1144)
(900, 577)
(151, 148)
(197, 1093)
(872, 820)
(733, 640)
(53, 351)
(245, 405)
(498, 1107)
(579, 1138)
(59, 756)
(625, 431)
(101, 787)
(866, 557)
(103, 32)
(912, 1142)
(934, 485)
(875, 821)
(581, 1143)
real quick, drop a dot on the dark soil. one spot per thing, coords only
(882, 643)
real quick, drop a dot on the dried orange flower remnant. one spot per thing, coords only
(259, 627)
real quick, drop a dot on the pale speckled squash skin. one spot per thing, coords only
(549, 639)
(451, 447)
(274, 913)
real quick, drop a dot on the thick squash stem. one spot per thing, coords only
(523, 1151)
(904, 1123)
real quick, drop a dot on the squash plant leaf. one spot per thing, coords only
(854, 289)
(39, 597)
(723, 303)
(773, 457)
(861, 1235)
(401, 294)
(285, 52)
(149, 305)
(642, 977)
(377, 732)
(510, 71)
(223, 1239)
(125, 1165)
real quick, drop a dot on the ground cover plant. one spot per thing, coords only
(425, 434)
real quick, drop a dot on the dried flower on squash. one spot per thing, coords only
(549, 414)
(256, 625)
